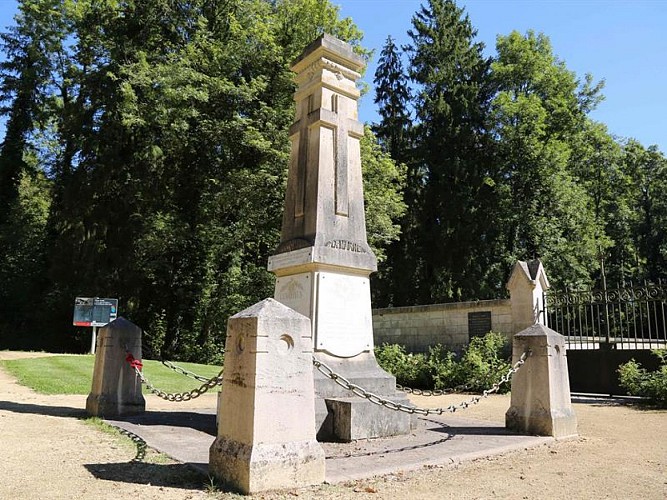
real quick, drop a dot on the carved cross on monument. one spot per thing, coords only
(324, 201)
(323, 251)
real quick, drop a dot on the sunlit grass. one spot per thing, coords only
(72, 374)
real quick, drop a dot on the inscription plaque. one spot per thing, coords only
(345, 325)
(295, 291)
(479, 323)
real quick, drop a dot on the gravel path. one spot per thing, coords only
(50, 452)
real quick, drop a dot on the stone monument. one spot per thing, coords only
(323, 262)
(266, 432)
(116, 389)
(541, 401)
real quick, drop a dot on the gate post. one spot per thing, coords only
(526, 287)
(541, 388)
(266, 432)
(116, 389)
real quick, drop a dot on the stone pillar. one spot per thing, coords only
(323, 262)
(116, 390)
(266, 432)
(526, 286)
(541, 388)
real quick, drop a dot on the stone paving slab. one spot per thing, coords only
(442, 440)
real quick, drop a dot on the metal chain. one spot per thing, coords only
(180, 396)
(183, 371)
(432, 392)
(174, 397)
(392, 405)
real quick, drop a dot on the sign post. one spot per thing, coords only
(95, 312)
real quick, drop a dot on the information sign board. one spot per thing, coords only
(94, 311)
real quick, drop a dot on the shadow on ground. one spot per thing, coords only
(53, 411)
(164, 475)
(202, 422)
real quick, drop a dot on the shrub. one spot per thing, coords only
(485, 361)
(482, 364)
(409, 369)
(444, 369)
(639, 382)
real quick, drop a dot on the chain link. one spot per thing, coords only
(181, 396)
(178, 396)
(392, 405)
(432, 392)
(183, 371)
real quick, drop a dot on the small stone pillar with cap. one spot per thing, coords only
(266, 433)
(541, 388)
(116, 390)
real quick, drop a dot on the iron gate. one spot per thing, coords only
(604, 328)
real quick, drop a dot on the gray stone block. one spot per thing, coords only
(355, 418)
(541, 389)
(116, 389)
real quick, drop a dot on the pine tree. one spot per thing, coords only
(392, 95)
(451, 75)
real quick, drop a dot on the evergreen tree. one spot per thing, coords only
(452, 79)
(392, 95)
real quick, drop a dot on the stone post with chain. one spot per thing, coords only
(541, 390)
(266, 431)
(116, 390)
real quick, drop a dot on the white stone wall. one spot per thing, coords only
(419, 327)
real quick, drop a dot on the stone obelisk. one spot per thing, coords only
(323, 262)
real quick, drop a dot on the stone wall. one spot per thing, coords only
(452, 325)
(419, 327)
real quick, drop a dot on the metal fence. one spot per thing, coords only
(632, 317)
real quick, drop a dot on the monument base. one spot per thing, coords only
(561, 424)
(342, 416)
(104, 406)
(253, 468)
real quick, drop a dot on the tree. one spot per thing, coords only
(537, 115)
(453, 93)
(392, 95)
(164, 139)
(646, 171)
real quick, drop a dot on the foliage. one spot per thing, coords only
(146, 150)
(145, 158)
(504, 163)
(410, 369)
(482, 363)
(640, 382)
(73, 374)
(485, 361)
(383, 182)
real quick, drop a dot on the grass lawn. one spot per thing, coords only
(73, 374)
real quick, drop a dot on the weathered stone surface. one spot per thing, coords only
(324, 203)
(526, 286)
(355, 418)
(338, 422)
(266, 431)
(540, 401)
(116, 390)
(324, 261)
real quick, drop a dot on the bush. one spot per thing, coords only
(639, 382)
(409, 369)
(445, 371)
(482, 364)
(485, 361)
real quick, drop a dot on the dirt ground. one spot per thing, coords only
(48, 451)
